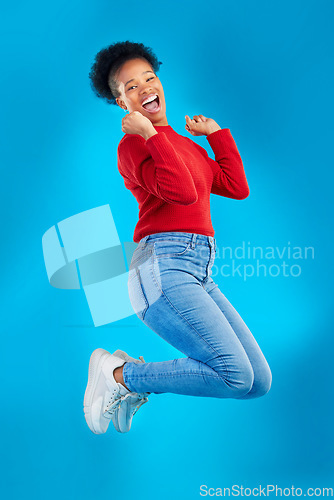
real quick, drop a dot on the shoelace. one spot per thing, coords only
(113, 404)
(141, 397)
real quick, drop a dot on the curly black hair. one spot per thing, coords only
(109, 60)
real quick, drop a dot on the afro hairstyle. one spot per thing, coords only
(109, 60)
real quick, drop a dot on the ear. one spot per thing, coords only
(121, 103)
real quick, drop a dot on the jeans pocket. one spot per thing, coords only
(136, 293)
(170, 248)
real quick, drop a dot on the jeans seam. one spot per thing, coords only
(172, 374)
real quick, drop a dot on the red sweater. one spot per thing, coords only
(172, 177)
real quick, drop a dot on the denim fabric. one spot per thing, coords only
(172, 292)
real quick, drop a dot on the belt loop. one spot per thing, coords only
(193, 241)
(144, 240)
(212, 242)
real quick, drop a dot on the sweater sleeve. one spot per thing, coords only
(229, 178)
(156, 167)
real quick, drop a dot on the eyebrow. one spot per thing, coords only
(150, 71)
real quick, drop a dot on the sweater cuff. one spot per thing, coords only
(220, 137)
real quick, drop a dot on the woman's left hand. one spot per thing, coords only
(200, 125)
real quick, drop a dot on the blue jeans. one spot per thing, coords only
(172, 292)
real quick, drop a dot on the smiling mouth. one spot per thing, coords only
(152, 106)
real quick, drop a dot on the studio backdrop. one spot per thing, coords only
(262, 69)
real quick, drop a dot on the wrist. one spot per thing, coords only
(213, 129)
(149, 133)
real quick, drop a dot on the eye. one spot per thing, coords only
(133, 86)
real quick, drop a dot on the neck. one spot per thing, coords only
(161, 122)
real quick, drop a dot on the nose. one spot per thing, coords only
(146, 90)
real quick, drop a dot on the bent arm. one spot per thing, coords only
(229, 178)
(156, 167)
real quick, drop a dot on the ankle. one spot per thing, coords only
(118, 376)
(118, 373)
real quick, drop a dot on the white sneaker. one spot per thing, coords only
(130, 402)
(103, 394)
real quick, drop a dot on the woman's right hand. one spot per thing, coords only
(136, 123)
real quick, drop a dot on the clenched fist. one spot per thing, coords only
(200, 125)
(136, 123)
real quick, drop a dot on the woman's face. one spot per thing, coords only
(138, 84)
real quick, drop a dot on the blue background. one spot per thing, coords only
(264, 70)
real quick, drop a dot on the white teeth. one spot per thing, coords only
(149, 99)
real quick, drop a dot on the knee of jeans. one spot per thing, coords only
(239, 381)
(262, 384)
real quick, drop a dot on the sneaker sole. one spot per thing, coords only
(95, 363)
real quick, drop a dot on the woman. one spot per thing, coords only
(170, 284)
